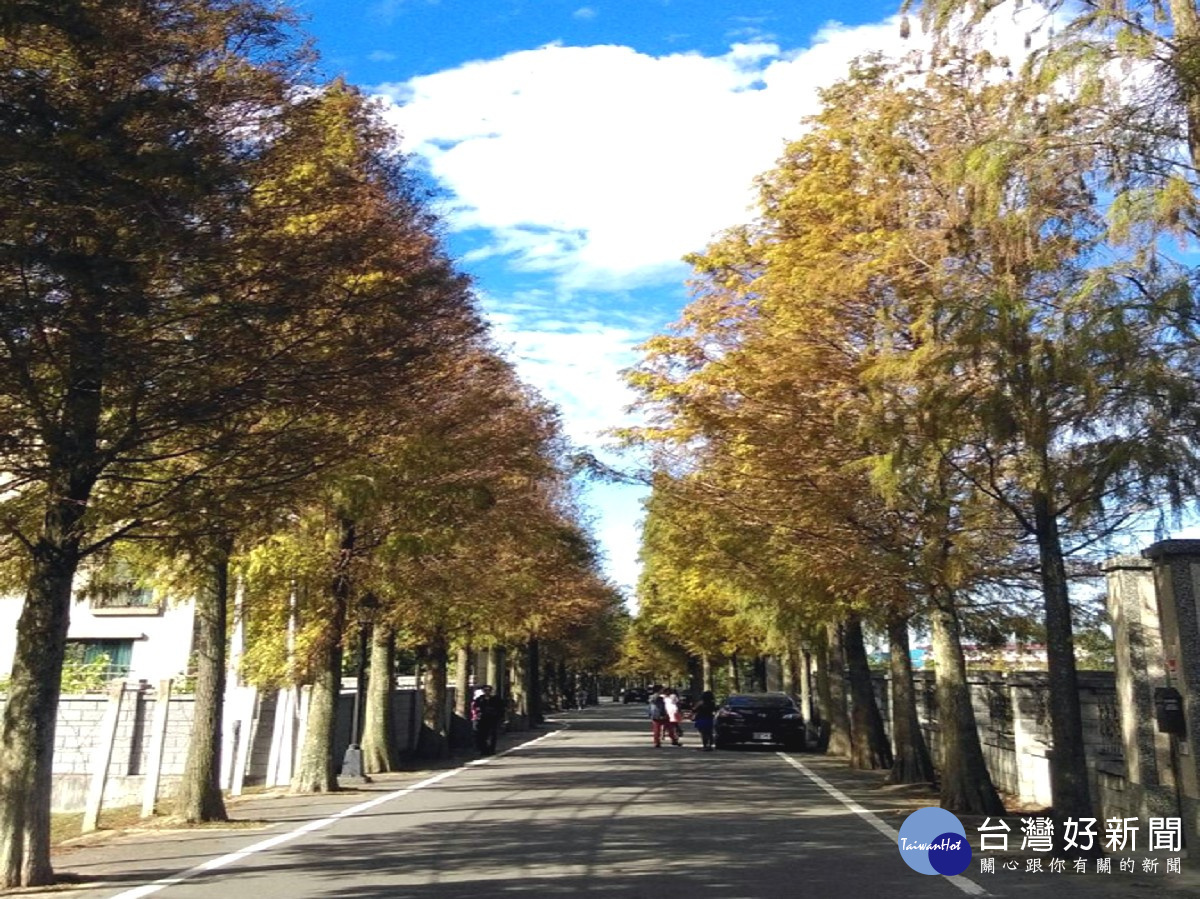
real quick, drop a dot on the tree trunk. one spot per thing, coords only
(534, 666)
(31, 712)
(822, 693)
(564, 685)
(695, 675)
(807, 700)
(760, 674)
(1068, 760)
(380, 752)
(791, 669)
(317, 771)
(735, 678)
(462, 682)
(706, 670)
(434, 742)
(835, 714)
(200, 796)
(912, 763)
(966, 785)
(462, 689)
(869, 747)
(495, 671)
(519, 693)
(551, 687)
(1185, 21)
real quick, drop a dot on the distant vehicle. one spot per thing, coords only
(635, 694)
(760, 718)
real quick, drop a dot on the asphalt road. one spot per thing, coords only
(590, 808)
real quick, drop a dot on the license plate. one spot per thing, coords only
(759, 735)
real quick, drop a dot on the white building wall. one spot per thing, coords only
(10, 612)
(162, 637)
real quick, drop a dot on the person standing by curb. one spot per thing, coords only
(486, 712)
(704, 717)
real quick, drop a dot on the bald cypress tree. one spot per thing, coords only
(123, 175)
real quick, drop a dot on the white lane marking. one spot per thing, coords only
(213, 863)
(491, 758)
(970, 887)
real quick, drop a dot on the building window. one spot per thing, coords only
(99, 660)
(124, 596)
(114, 586)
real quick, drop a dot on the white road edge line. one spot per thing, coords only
(968, 886)
(279, 839)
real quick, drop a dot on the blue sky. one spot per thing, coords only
(580, 149)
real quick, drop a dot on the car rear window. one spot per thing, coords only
(759, 702)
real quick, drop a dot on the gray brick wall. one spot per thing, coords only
(78, 727)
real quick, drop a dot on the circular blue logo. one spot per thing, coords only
(933, 841)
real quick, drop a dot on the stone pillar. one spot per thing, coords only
(1138, 649)
(1177, 585)
(158, 739)
(1031, 737)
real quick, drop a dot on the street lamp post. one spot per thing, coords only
(352, 761)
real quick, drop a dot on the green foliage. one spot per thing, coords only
(1094, 650)
(81, 676)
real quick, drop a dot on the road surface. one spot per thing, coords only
(589, 808)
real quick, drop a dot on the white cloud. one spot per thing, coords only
(605, 165)
(584, 13)
(575, 365)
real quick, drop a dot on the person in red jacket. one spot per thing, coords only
(659, 720)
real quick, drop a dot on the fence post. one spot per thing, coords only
(246, 708)
(102, 756)
(158, 738)
(301, 724)
(283, 738)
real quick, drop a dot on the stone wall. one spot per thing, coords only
(252, 718)
(1013, 717)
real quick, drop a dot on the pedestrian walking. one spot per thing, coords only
(659, 720)
(704, 717)
(486, 712)
(674, 715)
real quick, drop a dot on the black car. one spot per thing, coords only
(760, 718)
(635, 694)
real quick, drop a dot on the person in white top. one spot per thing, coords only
(674, 715)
